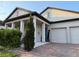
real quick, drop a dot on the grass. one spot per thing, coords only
(7, 54)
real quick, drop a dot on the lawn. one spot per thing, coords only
(5, 53)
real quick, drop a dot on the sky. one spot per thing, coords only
(6, 7)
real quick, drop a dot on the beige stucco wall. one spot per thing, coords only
(63, 13)
(45, 14)
(57, 15)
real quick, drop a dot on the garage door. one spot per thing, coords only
(58, 35)
(74, 35)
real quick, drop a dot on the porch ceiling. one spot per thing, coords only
(39, 22)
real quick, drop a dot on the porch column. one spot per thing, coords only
(13, 25)
(43, 32)
(34, 21)
(22, 29)
(22, 26)
(68, 35)
(5, 25)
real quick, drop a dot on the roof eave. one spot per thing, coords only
(27, 15)
(58, 9)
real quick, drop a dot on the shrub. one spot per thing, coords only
(29, 35)
(10, 38)
(3, 48)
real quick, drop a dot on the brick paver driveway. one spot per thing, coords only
(51, 50)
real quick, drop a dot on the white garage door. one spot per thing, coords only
(58, 35)
(74, 33)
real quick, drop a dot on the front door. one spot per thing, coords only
(46, 34)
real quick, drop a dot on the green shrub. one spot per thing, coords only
(29, 35)
(7, 54)
(4, 48)
(10, 38)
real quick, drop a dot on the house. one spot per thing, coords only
(1, 25)
(64, 26)
(51, 25)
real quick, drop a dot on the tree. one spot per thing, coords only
(29, 35)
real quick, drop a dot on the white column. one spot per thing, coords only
(68, 35)
(43, 32)
(34, 21)
(13, 25)
(5, 25)
(22, 31)
(22, 26)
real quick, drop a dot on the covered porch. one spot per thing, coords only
(41, 29)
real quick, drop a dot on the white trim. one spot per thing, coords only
(22, 30)
(22, 26)
(34, 21)
(68, 35)
(58, 28)
(27, 19)
(17, 20)
(43, 32)
(5, 25)
(12, 25)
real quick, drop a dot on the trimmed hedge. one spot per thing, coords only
(10, 38)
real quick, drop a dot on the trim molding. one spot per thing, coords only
(58, 9)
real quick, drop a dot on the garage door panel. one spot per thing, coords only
(58, 35)
(74, 33)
